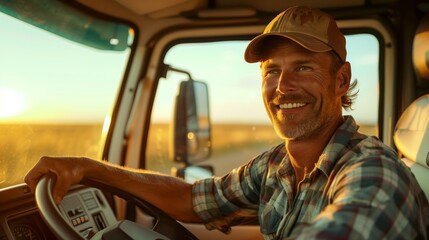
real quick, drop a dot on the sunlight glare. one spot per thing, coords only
(106, 126)
(12, 102)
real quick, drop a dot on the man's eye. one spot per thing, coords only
(303, 68)
(271, 72)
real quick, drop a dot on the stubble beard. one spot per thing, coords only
(304, 129)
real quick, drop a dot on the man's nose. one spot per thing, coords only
(286, 82)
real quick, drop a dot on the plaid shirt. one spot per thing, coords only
(358, 189)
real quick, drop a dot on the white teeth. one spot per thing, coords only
(291, 105)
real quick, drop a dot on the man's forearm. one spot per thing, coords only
(170, 194)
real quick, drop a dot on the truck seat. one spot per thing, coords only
(412, 140)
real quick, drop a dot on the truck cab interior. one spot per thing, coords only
(163, 86)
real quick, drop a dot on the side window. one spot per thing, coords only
(240, 126)
(363, 54)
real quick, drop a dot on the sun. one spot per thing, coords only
(12, 102)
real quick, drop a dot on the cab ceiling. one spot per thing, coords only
(166, 8)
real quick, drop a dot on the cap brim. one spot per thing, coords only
(254, 51)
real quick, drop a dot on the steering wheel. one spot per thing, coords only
(165, 226)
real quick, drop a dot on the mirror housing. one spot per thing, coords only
(191, 141)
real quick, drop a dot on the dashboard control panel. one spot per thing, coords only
(85, 208)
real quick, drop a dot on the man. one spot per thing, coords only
(325, 181)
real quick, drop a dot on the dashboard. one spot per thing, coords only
(86, 209)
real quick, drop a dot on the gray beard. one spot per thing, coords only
(307, 128)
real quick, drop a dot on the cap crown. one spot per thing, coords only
(311, 28)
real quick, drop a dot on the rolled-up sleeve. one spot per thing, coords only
(222, 202)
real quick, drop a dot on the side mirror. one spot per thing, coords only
(191, 125)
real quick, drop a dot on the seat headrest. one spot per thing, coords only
(412, 131)
(421, 50)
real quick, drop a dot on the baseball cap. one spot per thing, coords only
(311, 28)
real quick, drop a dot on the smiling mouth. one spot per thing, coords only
(291, 105)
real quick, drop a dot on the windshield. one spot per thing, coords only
(60, 73)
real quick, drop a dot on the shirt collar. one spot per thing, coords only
(337, 145)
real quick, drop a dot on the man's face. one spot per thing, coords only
(299, 90)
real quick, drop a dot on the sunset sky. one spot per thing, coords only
(38, 88)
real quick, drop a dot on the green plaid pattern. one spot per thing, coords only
(359, 189)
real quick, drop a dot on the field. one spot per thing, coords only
(232, 146)
(22, 145)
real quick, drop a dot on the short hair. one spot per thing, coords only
(348, 99)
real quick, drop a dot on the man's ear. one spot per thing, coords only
(344, 75)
